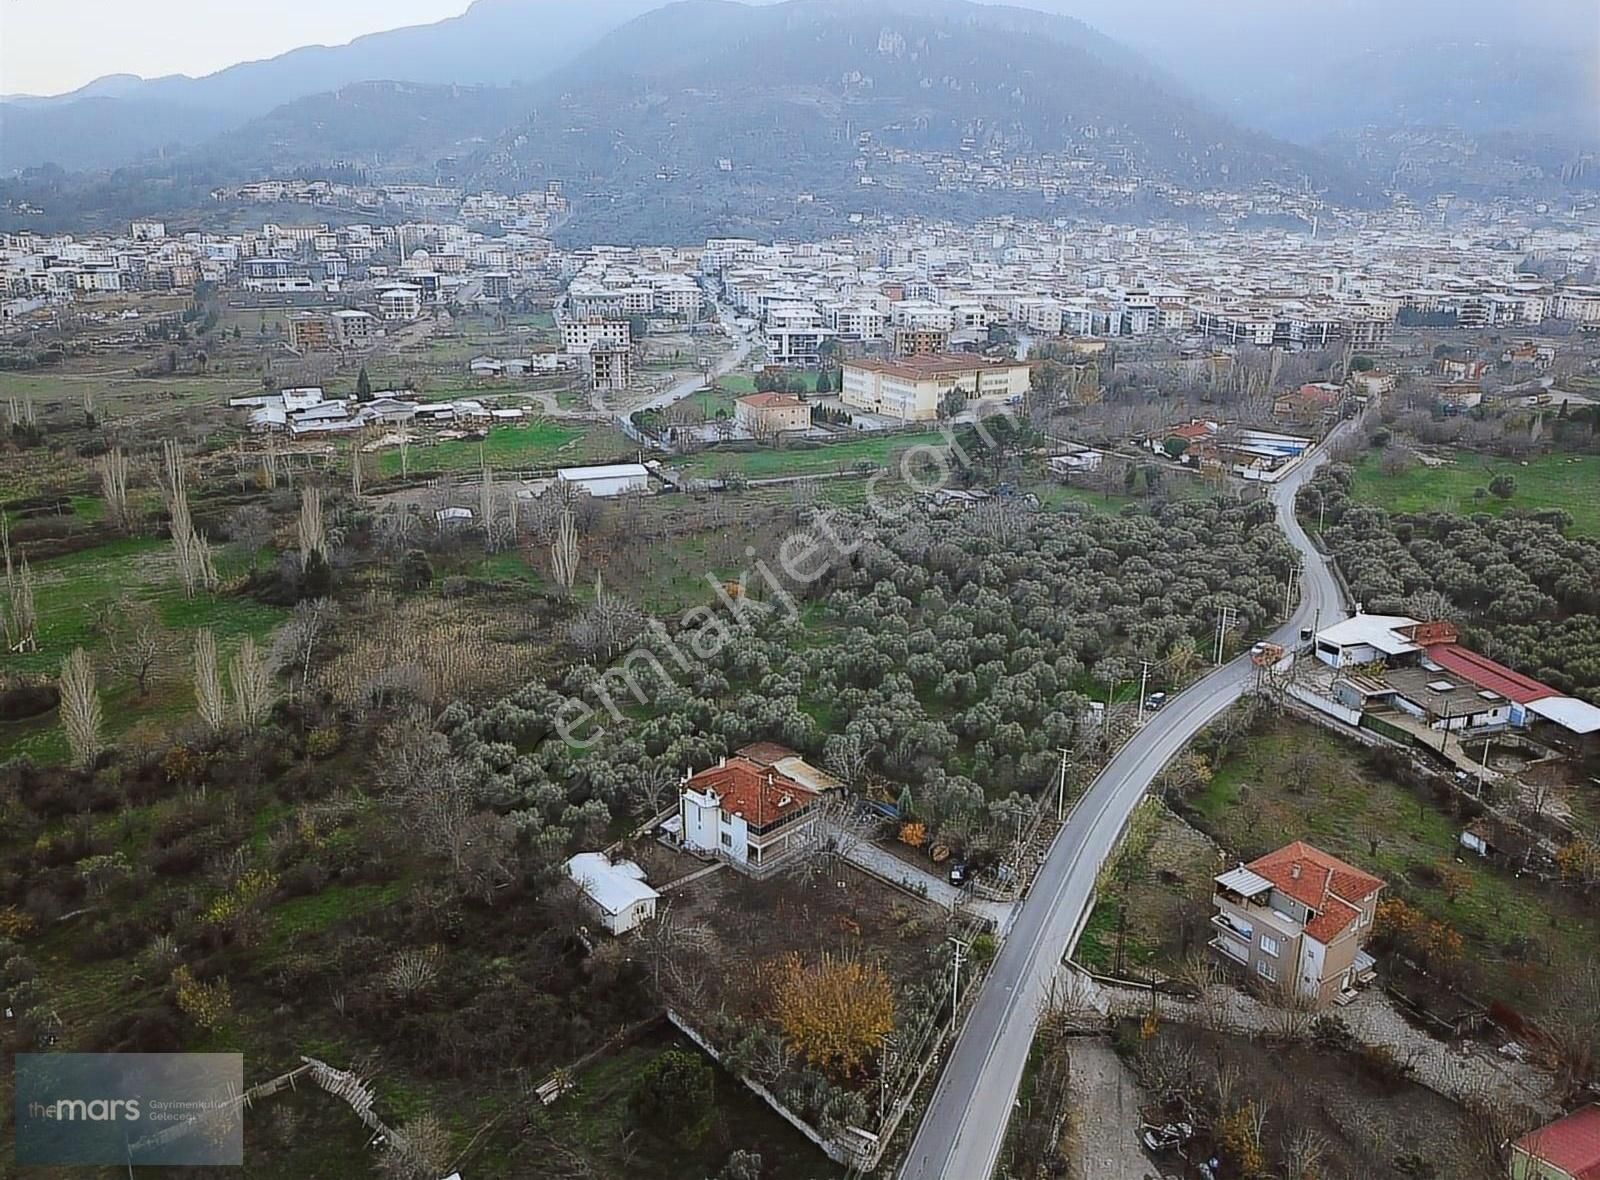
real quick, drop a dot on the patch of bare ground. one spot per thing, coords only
(1300, 1109)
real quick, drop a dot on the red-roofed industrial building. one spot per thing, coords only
(1567, 1149)
(752, 816)
(1488, 675)
(1296, 919)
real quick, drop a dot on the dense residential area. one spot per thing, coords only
(801, 591)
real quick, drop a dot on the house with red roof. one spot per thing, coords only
(1567, 1149)
(1297, 919)
(750, 815)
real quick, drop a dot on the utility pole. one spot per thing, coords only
(1225, 622)
(1289, 588)
(1144, 683)
(955, 975)
(1061, 788)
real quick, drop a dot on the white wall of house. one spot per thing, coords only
(707, 828)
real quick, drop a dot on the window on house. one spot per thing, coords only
(727, 839)
(1267, 971)
(1270, 945)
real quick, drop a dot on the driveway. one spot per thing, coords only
(881, 863)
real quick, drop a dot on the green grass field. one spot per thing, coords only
(1568, 482)
(538, 444)
(70, 591)
(596, 1116)
(841, 456)
(710, 402)
(737, 384)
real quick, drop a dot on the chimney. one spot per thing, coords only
(1294, 870)
(723, 761)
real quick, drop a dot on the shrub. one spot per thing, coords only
(674, 1097)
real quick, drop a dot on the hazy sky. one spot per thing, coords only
(52, 46)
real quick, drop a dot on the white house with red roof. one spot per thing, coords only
(1567, 1149)
(1297, 919)
(752, 816)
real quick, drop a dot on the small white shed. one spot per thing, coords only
(614, 479)
(617, 892)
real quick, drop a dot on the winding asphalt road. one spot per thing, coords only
(961, 1134)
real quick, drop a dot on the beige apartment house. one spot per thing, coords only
(1297, 918)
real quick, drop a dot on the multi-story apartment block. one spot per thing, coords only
(794, 333)
(610, 366)
(578, 337)
(312, 332)
(909, 341)
(1296, 919)
(399, 302)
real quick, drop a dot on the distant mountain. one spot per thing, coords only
(1477, 87)
(117, 119)
(785, 94)
(385, 128)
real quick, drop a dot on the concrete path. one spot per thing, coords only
(1105, 1115)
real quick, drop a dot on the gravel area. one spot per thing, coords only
(1106, 1116)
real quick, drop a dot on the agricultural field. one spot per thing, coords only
(1557, 480)
(542, 443)
(879, 451)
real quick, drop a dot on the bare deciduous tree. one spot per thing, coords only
(80, 708)
(564, 551)
(846, 755)
(251, 678)
(420, 1150)
(137, 642)
(312, 531)
(300, 638)
(208, 681)
(195, 570)
(113, 470)
(21, 620)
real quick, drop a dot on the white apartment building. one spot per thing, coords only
(1579, 304)
(399, 302)
(793, 334)
(857, 321)
(580, 337)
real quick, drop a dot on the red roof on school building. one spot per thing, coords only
(1571, 1144)
(1485, 673)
